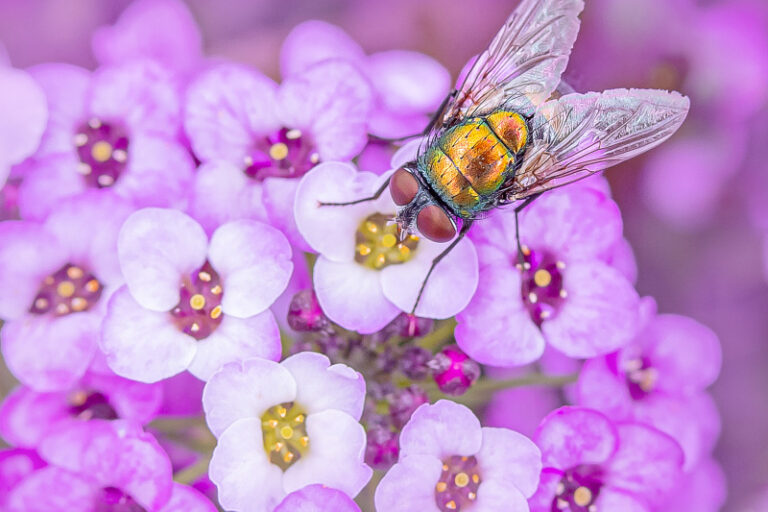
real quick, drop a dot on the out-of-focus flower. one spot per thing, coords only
(114, 129)
(161, 30)
(15, 465)
(56, 280)
(105, 467)
(660, 379)
(408, 85)
(27, 416)
(590, 461)
(366, 274)
(702, 489)
(285, 426)
(521, 409)
(23, 117)
(190, 303)
(566, 293)
(449, 462)
(317, 498)
(256, 139)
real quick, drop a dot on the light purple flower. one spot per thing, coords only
(27, 416)
(660, 379)
(15, 465)
(702, 489)
(190, 303)
(161, 30)
(285, 426)
(590, 461)
(317, 498)
(255, 138)
(521, 409)
(113, 129)
(408, 86)
(449, 462)
(566, 294)
(104, 466)
(56, 280)
(23, 120)
(365, 276)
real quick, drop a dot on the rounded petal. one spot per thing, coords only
(509, 460)
(330, 230)
(317, 498)
(156, 248)
(25, 114)
(601, 387)
(441, 430)
(254, 263)
(50, 179)
(493, 496)
(408, 81)
(237, 339)
(26, 416)
(409, 485)
(15, 465)
(279, 198)
(331, 100)
(141, 344)
(703, 489)
(227, 107)
(141, 93)
(50, 353)
(571, 436)
(335, 456)
(450, 286)
(52, 488)
(647, 462)
(351, 296)
(315, 41)
(496, 328)
(238, 461)
(28, 253)
(245, 390)
(613, 499)
(599, 315)
(322, 386)
(187, 499)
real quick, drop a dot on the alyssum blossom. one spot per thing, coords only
(283, 426)
(190, 302)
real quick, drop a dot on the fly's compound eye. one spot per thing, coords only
(403, 186)
(435, 224)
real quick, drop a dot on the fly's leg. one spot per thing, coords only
(374, 197)
(520, 255)
(464, 230)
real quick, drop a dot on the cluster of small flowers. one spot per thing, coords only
(158, 218)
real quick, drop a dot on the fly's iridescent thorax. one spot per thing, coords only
(471, 161)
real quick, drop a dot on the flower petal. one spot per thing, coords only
(441, 430)
(237, 339)
(50, 179)
(509, 460)
(254, 263)
(315, 41)
(317, 498)
(408, 81)
(279, 199)
(409, 486)
(52, 488)
(25, 114)
(493, 496)
(26, 416)
(141, 344)
(156, 248)
(187, 499)
(322, 386)
(245, 389)
(571, 436)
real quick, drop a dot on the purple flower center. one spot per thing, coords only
(454, 371)
(70, 289)
(112, 499)
(381, 242)
(458, 484)
(199, 312)
(88, 405)
(542, 284)
(578, 489)
(383, 446)
(641, 377)
(103, 151)
(285, 436)
(287, 153)
(9, 199)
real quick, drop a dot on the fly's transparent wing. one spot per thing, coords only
(522, 66)
(580, 134)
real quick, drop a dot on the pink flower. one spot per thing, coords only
(190, 302)
(567, 294)
(449, 462)
(365, 276)
(284, 426)
(317, 498)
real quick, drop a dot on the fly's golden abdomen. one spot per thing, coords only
(472, 160)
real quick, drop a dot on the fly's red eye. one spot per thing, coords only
(403, 186)
(435, 224)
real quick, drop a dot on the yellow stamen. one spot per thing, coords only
(194, 327)
(286, 432)
(299, 418)
(282, 411)
(388, 240)
(542, 278)
(204, 276)
(197, 301)
(304, 441)
(216, 313)
(66, 289)
(451, 505)
(476, 478)
(441, 486)
(582, 496)
(79, 304)
(92, 286)
(74, 272)
(461, 480)
(364, 249)
(288, 457)
(101, 151)
(81, 139)
(293, 134)
(216, 290)
(278, 151)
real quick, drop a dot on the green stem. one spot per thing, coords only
(192, 473)
(439, 336)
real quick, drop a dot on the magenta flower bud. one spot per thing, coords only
(454, 371)
(305, 314)
(382, 448)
